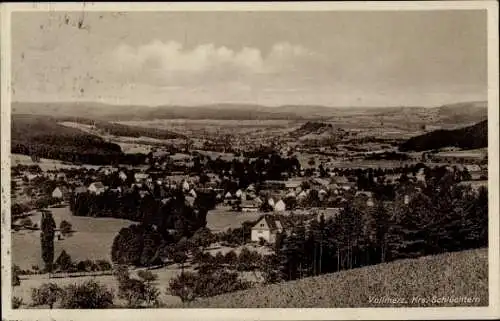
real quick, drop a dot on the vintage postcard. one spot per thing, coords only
(250, 161)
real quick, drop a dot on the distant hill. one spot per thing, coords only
(315, 131)
(440, 276)
(472, 112)
(457, 113)
(470, 137)
(45, 137)
(312, 127)
(39, 134)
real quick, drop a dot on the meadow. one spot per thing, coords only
(91, 240)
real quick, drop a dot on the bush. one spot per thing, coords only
(231, 258)
(46, 294)
(184, 286)
(64, 262)
(66, 228)
(27, 222)
(86, 266)
(147, 276)
(138, 293)
(89, 295)
(16, 302)
(103, 265)
(16, 270)
(210, 282)
(248, 260)
(121, 273)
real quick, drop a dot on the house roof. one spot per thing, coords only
(63, 189)
(340, 179)
(249, 203)
(80, 189)
(273, 221)
(97, 185)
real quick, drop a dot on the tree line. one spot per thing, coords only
(443, 217)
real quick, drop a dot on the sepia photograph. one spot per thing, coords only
(249, 156)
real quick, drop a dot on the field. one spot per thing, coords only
(472, 153)
(45, 164)
(222, 218)
(210, 127)
(461, 274)
(92, 240)
(94, 236)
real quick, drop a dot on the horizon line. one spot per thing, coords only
(245, 104)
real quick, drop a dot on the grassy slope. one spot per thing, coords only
(450, 274)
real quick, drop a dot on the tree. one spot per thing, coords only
(65, 227)
(231, 258)
(184, 286)
(46, 294)
(16, 270)
(136, 245)
(133, 291)
(88, 295)
(47, 239)
(179, 257)
(64, 261)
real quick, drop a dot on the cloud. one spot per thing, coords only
(167, 63)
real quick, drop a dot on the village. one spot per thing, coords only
(323, 190)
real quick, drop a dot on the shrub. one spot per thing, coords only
(86, 266)
(89, 295)
(64, 262)
(231, 258)
(248, 260)
(121, 273)
(147, 276)
(103, 265)
(46, 294)
(138, 292)
(65, 227)
(184, 286)
(206, 283)
(16, 270)
(27, 222)
(16, 302)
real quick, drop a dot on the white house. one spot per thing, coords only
(249, 206)
(280, 206)
(59, 192)
(185, 186)
(97, 188)
(267, 227)
(238, 193)
(141, 177)
(302, 195)
(270, 201)
(122, 176)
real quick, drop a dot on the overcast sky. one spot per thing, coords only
(424, 58)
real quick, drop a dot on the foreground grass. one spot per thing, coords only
(455, 275)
